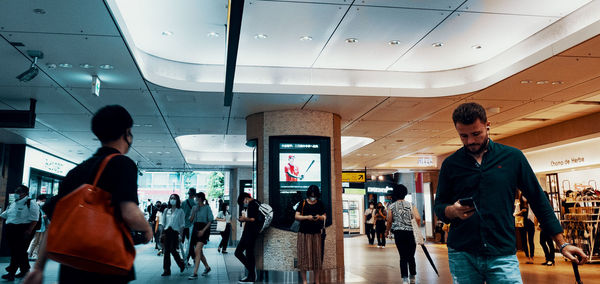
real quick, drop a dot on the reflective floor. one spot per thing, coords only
(364, 264)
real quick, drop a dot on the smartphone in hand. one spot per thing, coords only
(467, 202)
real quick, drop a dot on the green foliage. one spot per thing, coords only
(216, 185)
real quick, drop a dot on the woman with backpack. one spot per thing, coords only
(311, 214)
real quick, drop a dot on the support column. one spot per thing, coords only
(276, 248)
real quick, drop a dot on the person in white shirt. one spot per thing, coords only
(370, 222)
(224, 216)
(173, 221)
(21, 218)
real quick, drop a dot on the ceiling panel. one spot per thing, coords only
(81, 49)
(311, 1)
(49, 100)
(425, 4)
(349, 108)
(374, 28)
(137, 102)
(85, 138)
(284, 23)
(192, 104)
(372, 129)
(14, 63)
(521, 111)
(555, 8)
(588, 48)
(66, 122)
(150, 139)
(89, 17)
(245, 104)
(148, 124)
(408, 109)
(181, 125)
(461, 32)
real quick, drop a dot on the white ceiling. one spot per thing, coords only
(282, 72)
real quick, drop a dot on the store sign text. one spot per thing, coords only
(372, 189)
(567, 162)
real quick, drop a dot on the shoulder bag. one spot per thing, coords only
(85, 233)
(295, 227)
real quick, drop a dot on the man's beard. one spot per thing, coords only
(481, 149)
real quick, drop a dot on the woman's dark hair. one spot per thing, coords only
(223, 207)
(111, 122)
(178, 204)
(21, 189)
(241, 197)
(313, 190)
(202, 197)
(467, 113)
(399, 192)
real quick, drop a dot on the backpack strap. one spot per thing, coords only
(101, 168)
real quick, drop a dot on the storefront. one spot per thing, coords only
(569, 173)
(353, 202)
(43, 172)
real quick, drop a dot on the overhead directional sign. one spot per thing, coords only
(353, 177)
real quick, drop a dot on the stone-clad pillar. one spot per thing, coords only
(276, 249)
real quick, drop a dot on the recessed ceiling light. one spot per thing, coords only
(86, 66)
(213, 34)
(106, 67)
(39, 11)
(261, 36)
(394, 42)
(51, 65)
(351, 40)
(477, 46)
(305, 38)
(148, 125)
(525, 81)
(167, 33)
(437, 44)
(557, 82)
(136, 125)
(541, 82)
(65, 65)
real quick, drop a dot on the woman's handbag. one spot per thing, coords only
(295, 227)
(221, 225)
(86, 235)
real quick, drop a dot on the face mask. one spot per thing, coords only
(245, 205)
(41, 203)
(371, 206)
(173, 202)
(312, 198)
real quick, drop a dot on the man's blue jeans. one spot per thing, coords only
(468, 268)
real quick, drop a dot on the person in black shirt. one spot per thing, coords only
(311, 214)
(248, 239)
(485, 176)
(112, 125)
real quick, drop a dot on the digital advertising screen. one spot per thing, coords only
(297, 162)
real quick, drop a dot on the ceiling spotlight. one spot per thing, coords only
(261, 36)
(557, 82)
(394, 42)
(86, 66)
(476, 46)
(437, 44)
(525, 81)
(39, 11)
(33, 70)
(106, 67)
(306, 38)
(65, 65)
(351, 40)
(51, 66)
(213, 34)
(541, 82)
(167, 33)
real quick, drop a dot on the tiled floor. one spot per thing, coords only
(364, 264)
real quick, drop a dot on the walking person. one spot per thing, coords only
(159, 229)
(399, 222)
(202, 217)
(370, 222)
(41, 225)
(547, 244)
(527, 232)
(173, 220)
(187, 206)
(476, 189)
(112, 125)
(224, 216)
(380, 225)
(248, 217)
(21, 218)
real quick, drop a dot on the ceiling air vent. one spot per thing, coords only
(534, 119)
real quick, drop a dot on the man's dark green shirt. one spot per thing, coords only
(492, 184)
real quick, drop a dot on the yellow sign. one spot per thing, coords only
(353, 177)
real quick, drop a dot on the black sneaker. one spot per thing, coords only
(193, 277)
(8, 277)
(206, 271)
(247, 280)
(166, 273)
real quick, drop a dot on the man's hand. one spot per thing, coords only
(458, 211)
(571, 251)
(148, 236)
(35, 276)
